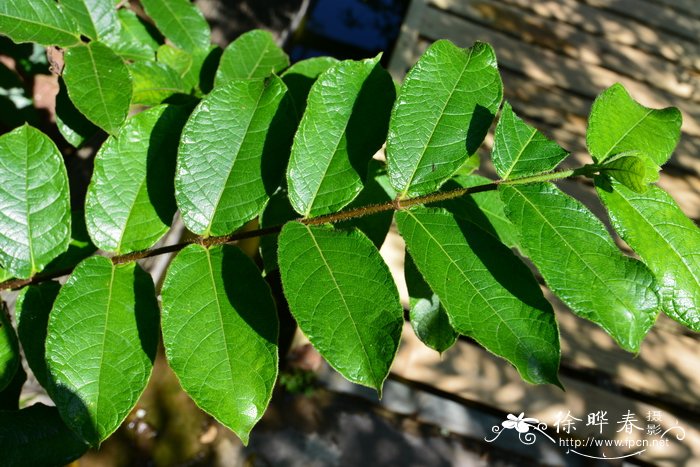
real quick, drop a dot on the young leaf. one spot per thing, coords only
(618, 124)
(37, 436)
(630, 169)
(9, 349)
(72, 124)
(96, 19)
(220, 334)
(181, 22)
(302, 75)
(42, 21)
(580, 262)
(253, 54)
(135, 42)
(187, 65)
(666, 240)
(344, 124)
(99, 84)
(488, 293)
(154, 83)
(446, 105)
(32, 309)
(34, 202)
(343, 298)
(225, 145)
(130, 202)
(519, 150)
(101, 343)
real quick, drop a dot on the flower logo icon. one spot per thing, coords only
(520, 423)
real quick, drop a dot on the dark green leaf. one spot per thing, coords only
(154, 83)
(446, 105)
(343, 298)
(96, 19)
(619, 124)
(487, 292)
(666, 240)
(344, 124)
(519, 150)
(79, 248)
(73, 125)
(135, 41)
(10, 396)
(37, 437)
(277, 212)
(9, 350)
(181, 22)
(228, 162)
(302, 75)
(580, 262)
(34, 204)
(220, 333)
(101, 343)
(43, 21)
(253, 54)
(99, 84)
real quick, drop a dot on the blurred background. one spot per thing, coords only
(555, 57)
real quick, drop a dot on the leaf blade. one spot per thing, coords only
(46, 23)
(97, 19)
(181, 22)
(9, 349)
(254, 54)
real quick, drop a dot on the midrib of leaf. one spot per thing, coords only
(257, 62)
(104, 343)
(128, 217)
(520, 153)
(347, 308)
(432, 131)
(165, 5)
(98, 83)
(624, 135)
(30, 244)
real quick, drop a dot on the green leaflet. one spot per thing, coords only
(9, 350)
(37, 436)
(344, 124)
(343, 298)
(666, 240)
(32, 309)
(519, 150)
(231, 158)
(44, 21)
(154, 83)
(73, 125)
(618, 124)
(487, 292)
(99, 84)
(181, 22)
(302, 75)
(446, 105)
(429, 319)
(34, 203)
(79, 247)
(220, 333)
(135, 41)
(96, 19)
(253, 54)
(580, 262)
(10, 396)
(101, 343)
(188, 66)
(130, 202)
(632, 169)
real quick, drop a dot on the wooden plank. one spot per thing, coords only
(405, 51)
(567, 40)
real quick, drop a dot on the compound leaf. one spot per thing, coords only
(445, 107)
(344, 124)
(9, 349)
(253, 54)
(488, 293)
(520, 150)
(101, 342)
(580, 262)
(181, 22)
(665, 239)
(220, 333)
(225, 145)
(34, 202)
(96, 19)
(44, 21)
(99, 84)
(130, 202)
(618, 124)
(343, 298)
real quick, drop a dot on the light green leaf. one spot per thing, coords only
(429, 319)
(619, 124)
(302, 75)
(344, 124)
(9, 349)
(99, 84)
(580, 262)
(34, 202)
(220, 333)
(253, 54)
(154, 83)
(446, 105)
(343, 298)
(187, 65)
(101, 342)
(666, 240)
(228, 162)
(181, 22)
(37, 436)
(44, 21)
(72, 124)
(519, 150)
(630, 169)
(96, 19)
(135, 41)
(32, 309)
(487, 292)
(130, 202)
